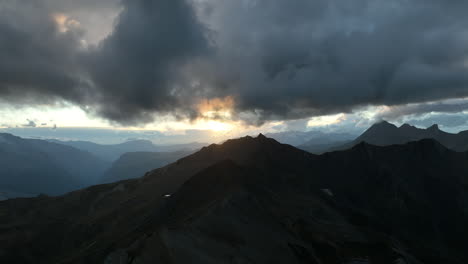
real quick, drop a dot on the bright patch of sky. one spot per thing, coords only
(68, 122)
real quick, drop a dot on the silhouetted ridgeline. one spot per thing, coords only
(385, 134)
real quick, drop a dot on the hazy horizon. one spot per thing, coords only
(109, 136)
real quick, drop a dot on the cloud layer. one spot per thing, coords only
(277, 59)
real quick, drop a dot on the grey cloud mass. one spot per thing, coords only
(37, 64)
(278, 59)
(135, 68)
(450, 106)
(334, 55)
(30, 123)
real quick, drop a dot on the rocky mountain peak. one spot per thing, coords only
(434, 127)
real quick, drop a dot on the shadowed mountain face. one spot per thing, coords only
(384, 134)
(113, 152)
(135, 164)
(253, 200)
(31, 167)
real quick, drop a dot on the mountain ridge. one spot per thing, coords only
(272, 202)
(33, 166)
(384, 134)
(111, 152)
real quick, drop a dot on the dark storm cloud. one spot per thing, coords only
(450, 106)
(126, 78)
(330, 56)
(278, 59)
(134, 68)
(37, 64)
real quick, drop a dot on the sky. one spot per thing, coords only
(206, 70)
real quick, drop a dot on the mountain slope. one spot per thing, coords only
(135, 164)
(253, 200)
(33, 166)
(384, 134)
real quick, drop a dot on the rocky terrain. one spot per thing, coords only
(254, 200)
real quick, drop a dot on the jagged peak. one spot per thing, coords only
(246, 149)
(384, 124)
(246, 140)
(379, 127)
(434, 127)
(406, 125)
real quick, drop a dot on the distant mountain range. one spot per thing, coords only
(254, 200)
(135, 164)
(385, 133)
(32, 166)
(112, 152)
(29, 167)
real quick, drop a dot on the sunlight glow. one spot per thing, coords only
(213, 125)
(66, 115)
(64, 22)
(326, 120)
